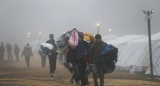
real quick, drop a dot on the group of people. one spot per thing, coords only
(80, 65)
(9, 51)
(27, 52)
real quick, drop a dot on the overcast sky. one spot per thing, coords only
(18, 17)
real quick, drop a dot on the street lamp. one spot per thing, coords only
(98, 27)
(40, 33)
(148, 13)
(109, 30)
(39, 38)
(28, 34)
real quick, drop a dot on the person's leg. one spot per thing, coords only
(82, 74)
(44, 61)
(2, 56)
(86, 74)
(64, 58)
(60, 56)
(27, 60)
(11, 56)
(95, 74)
(76, 72)
(8, 56)
(51, 64)
(72, 78)
(54, 62)
(101, 74)
(17, 57)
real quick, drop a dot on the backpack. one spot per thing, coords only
(88, 37)
(62, 41)
(109, 58)
(110, 51)
(73, 40)
(88, 40)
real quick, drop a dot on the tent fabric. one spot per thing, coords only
(134, 50)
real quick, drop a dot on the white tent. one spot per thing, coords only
(109, 37)
(134, 50)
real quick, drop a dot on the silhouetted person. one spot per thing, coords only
(27, 52)
(9, 51)
(2, 51)
(16, 51)
(95, 57)
(52, 55)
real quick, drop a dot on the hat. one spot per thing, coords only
(98, 36)
(51, 36)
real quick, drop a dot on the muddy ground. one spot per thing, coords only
(17, 74)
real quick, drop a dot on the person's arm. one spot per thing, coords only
(55, 47)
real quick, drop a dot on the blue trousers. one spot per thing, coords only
(76, 72)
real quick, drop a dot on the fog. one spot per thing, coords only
(18, 17)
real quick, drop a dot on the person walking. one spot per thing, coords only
(43, 59)
(95, 57)
(16, 51)
(27, 52)
(9, 51)
(52, 55)
(2, 51)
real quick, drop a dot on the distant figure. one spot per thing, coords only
(61, 56)
(16, 51)
(9, 51)
(2, 51)
(52, 55)
(27, 52)
(43, 59)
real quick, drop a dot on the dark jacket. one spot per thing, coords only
(95, 52)
(71, 55)
(53, 43)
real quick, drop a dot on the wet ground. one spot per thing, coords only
(17, 74)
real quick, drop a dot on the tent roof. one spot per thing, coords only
(109, 37)
(155, 36)
(125, 39)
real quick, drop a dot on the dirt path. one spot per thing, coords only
(16, 74)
